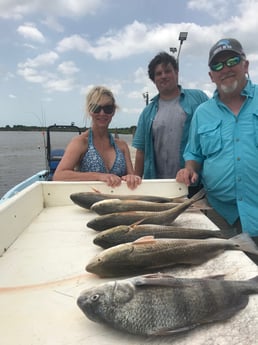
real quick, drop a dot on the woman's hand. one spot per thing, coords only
(132, 181)
(110, 179)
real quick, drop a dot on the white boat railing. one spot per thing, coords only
(39, 176)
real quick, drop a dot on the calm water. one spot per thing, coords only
(22, 154)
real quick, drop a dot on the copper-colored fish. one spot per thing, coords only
(146, 217)
(148, 254)
(87, 199)
(117, 205)
(129, 233)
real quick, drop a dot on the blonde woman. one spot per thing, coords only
(95, 155)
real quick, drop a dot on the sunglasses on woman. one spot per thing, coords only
(108, 109)
(230, 62)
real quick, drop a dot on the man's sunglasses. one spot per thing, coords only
(230, 62)
(108, 109)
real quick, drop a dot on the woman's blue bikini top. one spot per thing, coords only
(92, 160)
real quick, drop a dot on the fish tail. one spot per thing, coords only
(254, 280)
(244, 242)
(199, 195)
(252, 285)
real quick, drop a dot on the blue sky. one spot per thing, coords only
(52, 52)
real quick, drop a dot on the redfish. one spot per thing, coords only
(87, 199)
(129, 233)
(146, 217)
(148, 254)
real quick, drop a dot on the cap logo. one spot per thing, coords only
(222, 45)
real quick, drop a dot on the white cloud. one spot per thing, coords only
(219, 9)
(11, 95)
(41, 60)
(29, 31)
(115, 45)
(68, 67)
(132, 111)
(32, 75)
(140, 76)
(74, 42)
(61, 85)
(8, 76)
(52, 23)
(63, 8)
(133, 39)
(37, 70)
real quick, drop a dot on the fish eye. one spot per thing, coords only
(95, 297)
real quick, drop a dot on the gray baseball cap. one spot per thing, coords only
(226, 44)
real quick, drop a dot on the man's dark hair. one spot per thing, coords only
(161, 58)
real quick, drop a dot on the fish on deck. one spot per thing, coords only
(129, 233)
(160, 304)
(146, 217)
(87, 199)
(148, 254)
(117, 205)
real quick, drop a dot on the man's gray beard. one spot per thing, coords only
(229, 88)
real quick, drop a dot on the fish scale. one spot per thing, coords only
(87, 199)
(145, 217)
(126, 233)
(160, 304)
(148, 254)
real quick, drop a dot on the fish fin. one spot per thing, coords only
(95, 190)
(199, 195)
(253, 280)
(144, 239)
(217, 276)
(137, 223)
(166, 279)
(244, 242)
(167, 331)
(159, 279)
(201, 205)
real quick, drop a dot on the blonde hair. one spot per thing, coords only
(95, 94)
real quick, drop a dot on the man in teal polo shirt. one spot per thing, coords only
(163, 126)
(223, 140)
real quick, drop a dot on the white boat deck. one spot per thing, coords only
(45, 247)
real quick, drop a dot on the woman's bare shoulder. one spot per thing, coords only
(79, 142)
(81, 138)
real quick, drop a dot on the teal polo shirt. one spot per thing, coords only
(227, 147)
(189, 100)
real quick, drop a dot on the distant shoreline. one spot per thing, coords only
(21, 128)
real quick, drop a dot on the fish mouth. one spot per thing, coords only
(101, 241)
(91, 267)
(81, 301)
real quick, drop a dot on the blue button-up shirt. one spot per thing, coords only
(227, 148)
(189, 100)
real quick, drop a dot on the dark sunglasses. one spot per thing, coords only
(230, 62)
(108, 109)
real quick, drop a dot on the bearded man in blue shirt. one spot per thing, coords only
(223, 141)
